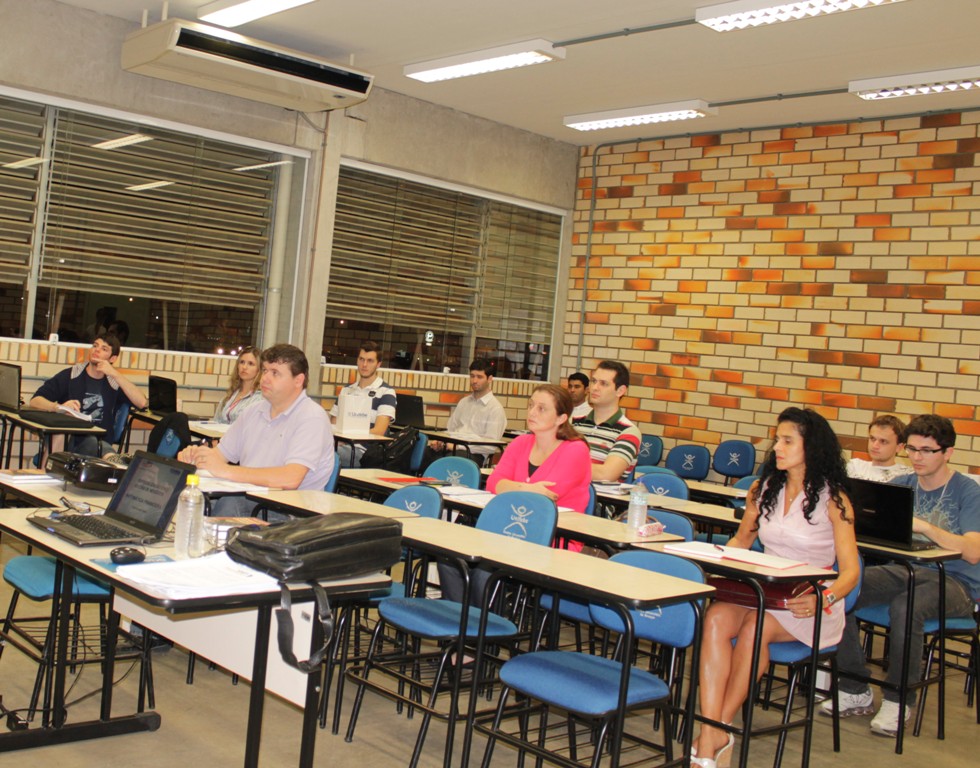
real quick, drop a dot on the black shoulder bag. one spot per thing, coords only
(342, 545)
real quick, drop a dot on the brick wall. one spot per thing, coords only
(833, 266)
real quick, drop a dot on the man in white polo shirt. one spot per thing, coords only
(283, 442)
(886, 437)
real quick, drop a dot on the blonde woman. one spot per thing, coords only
(243, 391)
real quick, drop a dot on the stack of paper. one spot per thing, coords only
(208, 576)
(718, 552)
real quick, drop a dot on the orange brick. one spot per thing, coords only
(869, 276)
(706, 140)
(825, 356)
(724, 401)
(661, 309)
(941, 121)
(773, 393)
(839, 400)
(927, 292)
(836, 129)
(692, 286)
(637, 285)
(817, 262)
(784, 145)
(740, 223)
(597, 317)
(771, 222)
(778, 196)
(788, 158)
(788, 236)
(661, 417)
(953, 411)
(967, 427)
(887, 291)
(862, 359)
(823, 385)
(892, 233)
(902, 334)
(937, 147)
(670, 212)
(913, 190)
(757, 185)
(729, 377)
(668, 395)
(935, 177)
(860, 179)
(873, 220)
(831, 248)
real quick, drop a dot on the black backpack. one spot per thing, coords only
(170, 436)
(395, 456)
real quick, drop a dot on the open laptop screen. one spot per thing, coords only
(163, 394)
(147, 495)
(9, 387)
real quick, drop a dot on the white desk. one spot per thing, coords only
(323, 503)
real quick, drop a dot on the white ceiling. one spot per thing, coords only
(688, 62)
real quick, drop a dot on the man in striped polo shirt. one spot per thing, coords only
(383, 399)
(614, 440)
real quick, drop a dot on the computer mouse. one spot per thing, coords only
(127, 555)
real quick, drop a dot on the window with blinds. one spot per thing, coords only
(439, 277)
(168, 232)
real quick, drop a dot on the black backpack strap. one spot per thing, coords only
(284, 621)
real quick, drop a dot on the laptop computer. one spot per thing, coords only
(10, 384)
(883, 515)
(162, 394)
(139, 512)
(410, 412)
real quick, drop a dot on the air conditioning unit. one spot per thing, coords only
(208, 57)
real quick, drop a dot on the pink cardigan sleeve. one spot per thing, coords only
(513, 462)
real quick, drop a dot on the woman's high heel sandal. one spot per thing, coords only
(722, 758)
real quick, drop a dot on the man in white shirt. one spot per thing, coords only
(886, 437)
(479, 413)
(383, 399)
(578, 388)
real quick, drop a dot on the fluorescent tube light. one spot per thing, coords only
(657, 113)
(234, 13)
(149, 185)
(259, 166)
(741, 14)
(27, 162)
(489, 60)
(919, 84)
(124, 141)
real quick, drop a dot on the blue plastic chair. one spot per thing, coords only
(649, 469)
(690, 461)
(587, 687)
(518, 514)
(733, 459)
(665, 485)
(676, 524)
(796, 655)
(457, 470)
(651, 450)
(418, 454)
(331, 485)
(590, 506)
(117, 438)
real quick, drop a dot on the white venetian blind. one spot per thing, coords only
(21, 138)
(203, 238)
(404, 253)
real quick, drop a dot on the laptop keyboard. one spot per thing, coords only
(95, 525)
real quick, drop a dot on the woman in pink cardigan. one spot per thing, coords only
(553, 460)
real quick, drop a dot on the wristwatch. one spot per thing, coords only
(830, 597)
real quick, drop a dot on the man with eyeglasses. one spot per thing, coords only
(947, 511)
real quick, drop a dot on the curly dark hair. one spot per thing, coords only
(825, 466)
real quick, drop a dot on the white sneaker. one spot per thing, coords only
(886, 721)
(851, 704)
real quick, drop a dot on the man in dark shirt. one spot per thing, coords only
(94, 388)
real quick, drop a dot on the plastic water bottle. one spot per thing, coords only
(636, 515)
(189, 533)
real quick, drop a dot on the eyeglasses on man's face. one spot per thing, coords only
(911, 450)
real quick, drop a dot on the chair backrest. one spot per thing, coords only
(690, 461)
(119, 425)
(457, 470)
(672, 625)
(649, 469)
(418, 453)
(666, 485)
(331, 484)
(734, 458)
(423, 500)
(676, 523)
(590, 507)
(744, 483)
(520, 515)
(651, 450)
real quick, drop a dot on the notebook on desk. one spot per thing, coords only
(883, 515)
(139, 512)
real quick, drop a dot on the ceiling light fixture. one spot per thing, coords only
(124, 141)
(149, 185)
(489, 60)
(234, 13)
(259, 166)
(27, 162)
(658, 113)
(741, 14)
(918, 84)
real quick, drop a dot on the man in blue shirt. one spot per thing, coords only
(94, 388)
(947, 511)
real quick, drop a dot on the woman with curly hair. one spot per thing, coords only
(243, 391)
(799, 509)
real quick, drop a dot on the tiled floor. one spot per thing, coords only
(203, 725)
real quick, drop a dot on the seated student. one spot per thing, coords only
(578, 388)
(94, 388)
(283, 442)
(243, 390)
(383, 399)
(798, 508)
(552, 460)
(479, 413)
(886, 438)
(614, 441)
(947, 511)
